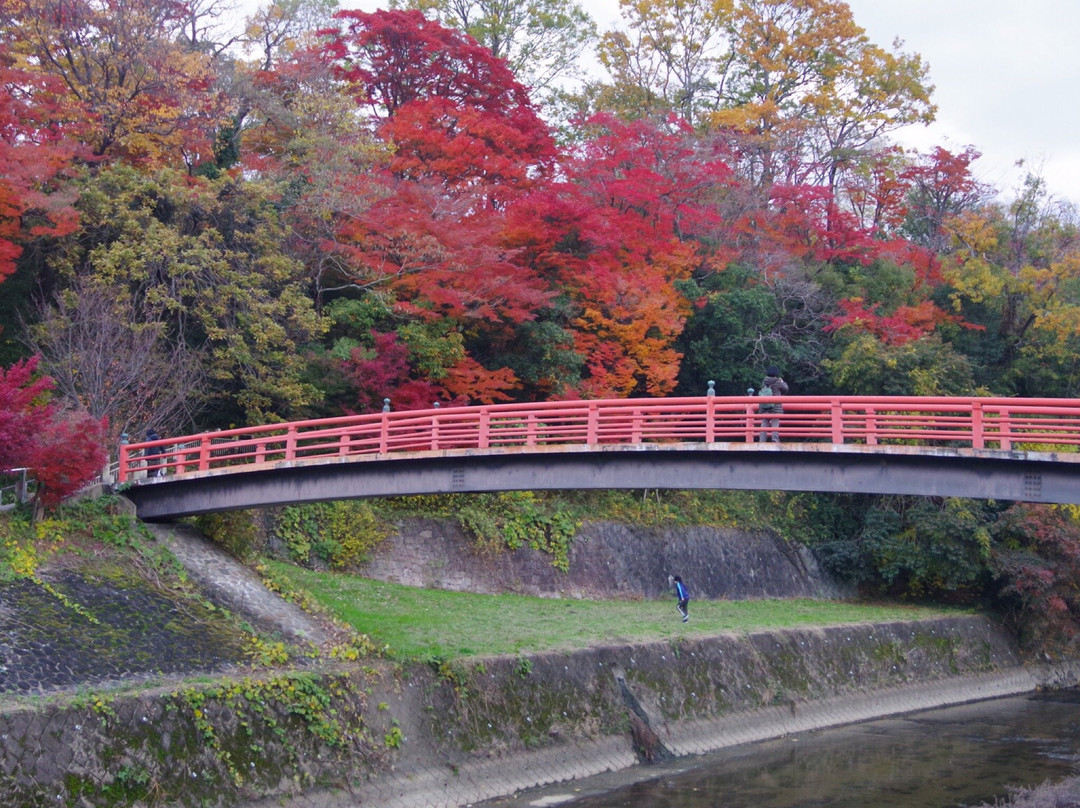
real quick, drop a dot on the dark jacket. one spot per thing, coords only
(778, 385)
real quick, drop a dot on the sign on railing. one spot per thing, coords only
(976, 423)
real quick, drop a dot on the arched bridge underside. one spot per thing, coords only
(979, 474)
(983, 448)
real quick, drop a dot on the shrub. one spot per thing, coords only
(514, 519)
(233, 530)
(339, 534)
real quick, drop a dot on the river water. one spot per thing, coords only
(956, 756)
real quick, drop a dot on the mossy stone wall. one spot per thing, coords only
(452, 733)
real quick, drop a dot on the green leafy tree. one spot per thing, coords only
(915, 547)
(203, 258)
(740, 324)
(862, 364)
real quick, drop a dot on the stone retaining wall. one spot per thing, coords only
(420, 735)
(607, 560)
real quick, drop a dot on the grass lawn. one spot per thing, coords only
(426, 623)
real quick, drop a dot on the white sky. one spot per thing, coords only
(1006, 75)
(1007, 81)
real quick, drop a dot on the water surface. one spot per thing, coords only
(957, 756)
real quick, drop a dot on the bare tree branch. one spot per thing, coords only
(115, 362)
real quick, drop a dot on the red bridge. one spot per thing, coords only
(989, 448)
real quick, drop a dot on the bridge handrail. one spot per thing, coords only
(965, 421)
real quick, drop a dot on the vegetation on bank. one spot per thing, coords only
(416, 623)
(1065, 794)
(84, 528)
(1017, 560)
(405, 621)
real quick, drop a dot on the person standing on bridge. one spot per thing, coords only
(683, 595)
(153, 455)
(772, 385)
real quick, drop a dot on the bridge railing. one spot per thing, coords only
(1047, 424)
(15, 487)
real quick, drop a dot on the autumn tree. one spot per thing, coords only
(796, 84)
(120, 364)
(145, 88)
(64, 449)
(201, 259)
(38, 143)
(454, 112)
(806, 82)
(614, 241)
(274, 32)
(673, 57)
(1014, 268)
(1036, 560)
(302, 137)
(421, 228)
(940, 186)
(542, 41)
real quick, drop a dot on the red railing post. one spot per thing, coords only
(483, 439)
(750, 421)
(434, 433)
(384, 433)
(871, 426)
(290, 444)
(204, 453)
(1005, 431)
(592, 424)
(635, 426)
(978, 439)
(836, 418)
(122, 472)
(710, 419)
(530, 429)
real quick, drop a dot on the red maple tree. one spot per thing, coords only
(63, 450)
(614, 240)
(34, 151)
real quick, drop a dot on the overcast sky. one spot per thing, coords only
(1007, 80)
(1006, 75)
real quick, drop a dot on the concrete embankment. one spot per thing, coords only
(360, 732)
(451, 734)
(491, 728)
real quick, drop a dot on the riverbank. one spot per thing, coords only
(342, 730)
(453, 734)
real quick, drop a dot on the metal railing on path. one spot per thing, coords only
(876, 421)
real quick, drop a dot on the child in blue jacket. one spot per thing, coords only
(683, 595)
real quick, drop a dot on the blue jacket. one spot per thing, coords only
(680, 591)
